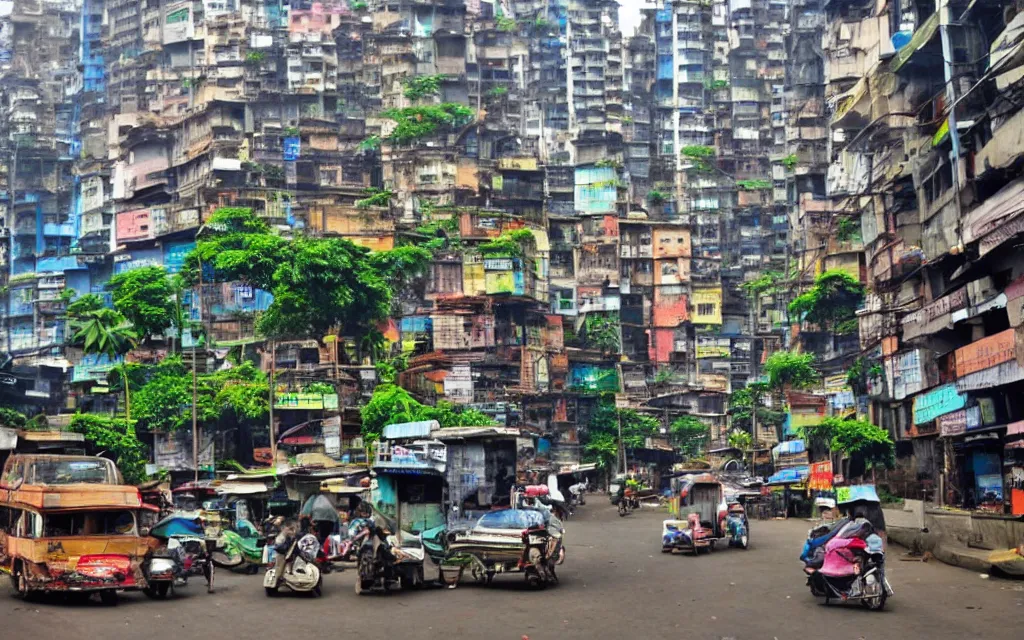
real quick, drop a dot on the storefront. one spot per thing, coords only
(1013, 465)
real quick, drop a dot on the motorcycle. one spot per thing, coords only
(298, 567)
(846, 561)
(628, 502)
(183, 554)
(853, 570)
(384, 559)
(736, 526)
(240, 546)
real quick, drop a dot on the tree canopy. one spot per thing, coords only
(391, 404)
(317, 283)
(116, 438)
(690, 435)
(831, 301)
(145, 297)
(790, 369)
(868, 445)
(601, 439)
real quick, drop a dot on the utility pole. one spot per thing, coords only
(273, 438)
(195, 386)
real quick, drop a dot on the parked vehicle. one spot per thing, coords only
(527, 541)
(295, 567)
(240, 546)
(182, 554)
(386, 560)
(846, 560)
(736, 527)
(702, 504)
(70, 525)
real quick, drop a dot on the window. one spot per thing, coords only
(706, 309)
(96, 523)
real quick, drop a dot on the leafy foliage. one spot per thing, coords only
(608, 163)
(163, 401)
(422, 121)
(241, 247)
(656, 198)
(602, 331)
(371, 143)
(497, 92)
(145, 296)
(834, 298)
(422, 86)
(789, 369)
(317, 283)
(690, 435)
(741, 440)
(790, 161)
(116, 438)
(103, 332)
(83, 305)
(506, 24)
(391, 404)
(754, 185)
(509, 244)
(846, 229)
(698, 151)
(767, 282)
(601, 440)
(869, 445)
(375, 198)
(12, 419)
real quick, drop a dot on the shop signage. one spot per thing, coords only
(973, 418)
(308, 401)
(985, 353)
(920, 322)
(939, 401)
(1001, 374)
(952, 424)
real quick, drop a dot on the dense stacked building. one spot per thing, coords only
(595, 218)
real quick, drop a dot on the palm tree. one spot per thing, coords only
(105, 332)
(742, 441)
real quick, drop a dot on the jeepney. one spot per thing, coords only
(69, 523)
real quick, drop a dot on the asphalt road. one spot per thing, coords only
(615, 583)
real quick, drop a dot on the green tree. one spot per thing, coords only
(691, 435)
(743, 441)
(116, 438)
(105, 332)
(867, 445)
(788, 369)
(602, 331)
(318, 284)
(146, 297)
(601, 439)
(831, 301)
(391, 404)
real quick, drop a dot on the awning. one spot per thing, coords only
(997, 219)
(856, 104)
(921, 37)
(241, 488)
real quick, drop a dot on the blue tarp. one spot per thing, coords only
(789, 447)
(786, 476)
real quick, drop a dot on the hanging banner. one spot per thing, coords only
(939, 401)
(820, 477)
(952, 424)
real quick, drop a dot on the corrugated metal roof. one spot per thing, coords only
(404, 430)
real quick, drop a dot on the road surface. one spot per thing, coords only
(615, 583)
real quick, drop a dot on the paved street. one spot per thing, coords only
(615, 584)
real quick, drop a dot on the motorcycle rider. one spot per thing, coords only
(282, 544)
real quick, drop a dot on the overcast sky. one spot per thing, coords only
(629, 15)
